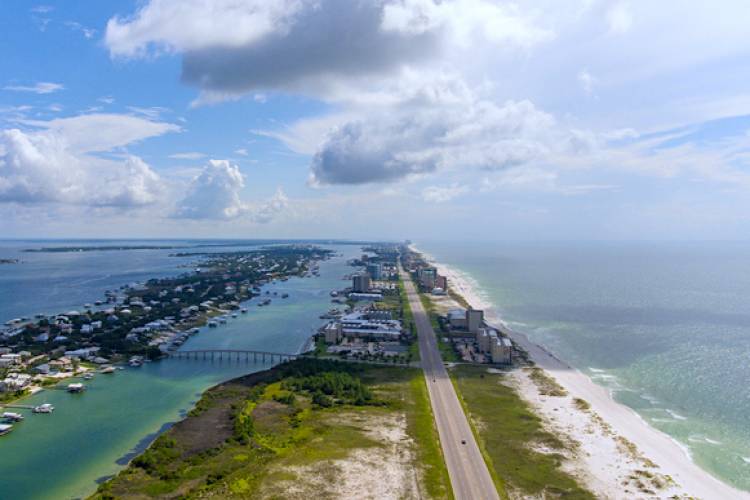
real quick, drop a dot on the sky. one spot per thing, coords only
(375, 119)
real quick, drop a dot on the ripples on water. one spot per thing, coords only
(666, 326)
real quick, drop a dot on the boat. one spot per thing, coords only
(234, 315)
(76, 387)
(243, 310)
(284, 295)
(212, 324)
(5, 428)
(108, 369)
(88, 376)
(222, 319)
(44, 408)
(334, 293)
(12, 417)
(135, 361)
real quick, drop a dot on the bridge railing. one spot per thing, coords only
(232, 354)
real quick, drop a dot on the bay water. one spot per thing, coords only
(91, 436)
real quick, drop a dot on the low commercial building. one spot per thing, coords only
(370, 325)
(366, 296)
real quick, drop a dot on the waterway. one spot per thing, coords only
(91, 436)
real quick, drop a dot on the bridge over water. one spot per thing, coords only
(233, 354)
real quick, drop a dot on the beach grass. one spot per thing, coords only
(247, 437)
(524, 459)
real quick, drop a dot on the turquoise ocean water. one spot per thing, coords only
(92, 435)
(665, 326)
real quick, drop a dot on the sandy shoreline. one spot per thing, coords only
(605, 468)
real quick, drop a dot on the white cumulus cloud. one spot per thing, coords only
(53, 162)
(444, 126)
(216, 194)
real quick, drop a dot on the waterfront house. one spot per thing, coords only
(42, 369)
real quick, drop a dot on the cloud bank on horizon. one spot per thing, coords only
(618, 112)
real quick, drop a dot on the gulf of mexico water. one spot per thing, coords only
(91, 436)
(665, 326)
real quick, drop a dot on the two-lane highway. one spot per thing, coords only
(468, 472)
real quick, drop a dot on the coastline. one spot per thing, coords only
(599, 466)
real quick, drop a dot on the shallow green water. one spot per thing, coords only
(92, 435)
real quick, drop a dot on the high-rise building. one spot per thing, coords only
(427, 277)
(375, 270)
(361, 283)
(474, 320)
(442, 283)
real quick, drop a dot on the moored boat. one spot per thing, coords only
(44, 408)
(12, 417)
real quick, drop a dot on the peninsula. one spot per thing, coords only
(141, 320)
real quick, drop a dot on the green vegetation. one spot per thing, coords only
(10, 396)
(546, 385)
(447, 352)
(260, 434)
(524, 459)
(581, 404)
(407, 318)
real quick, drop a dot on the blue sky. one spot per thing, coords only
(483, 119)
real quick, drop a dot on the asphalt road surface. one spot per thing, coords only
(468, 472)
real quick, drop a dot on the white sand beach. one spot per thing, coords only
(606, 460)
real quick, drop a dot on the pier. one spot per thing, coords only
(232, 354)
